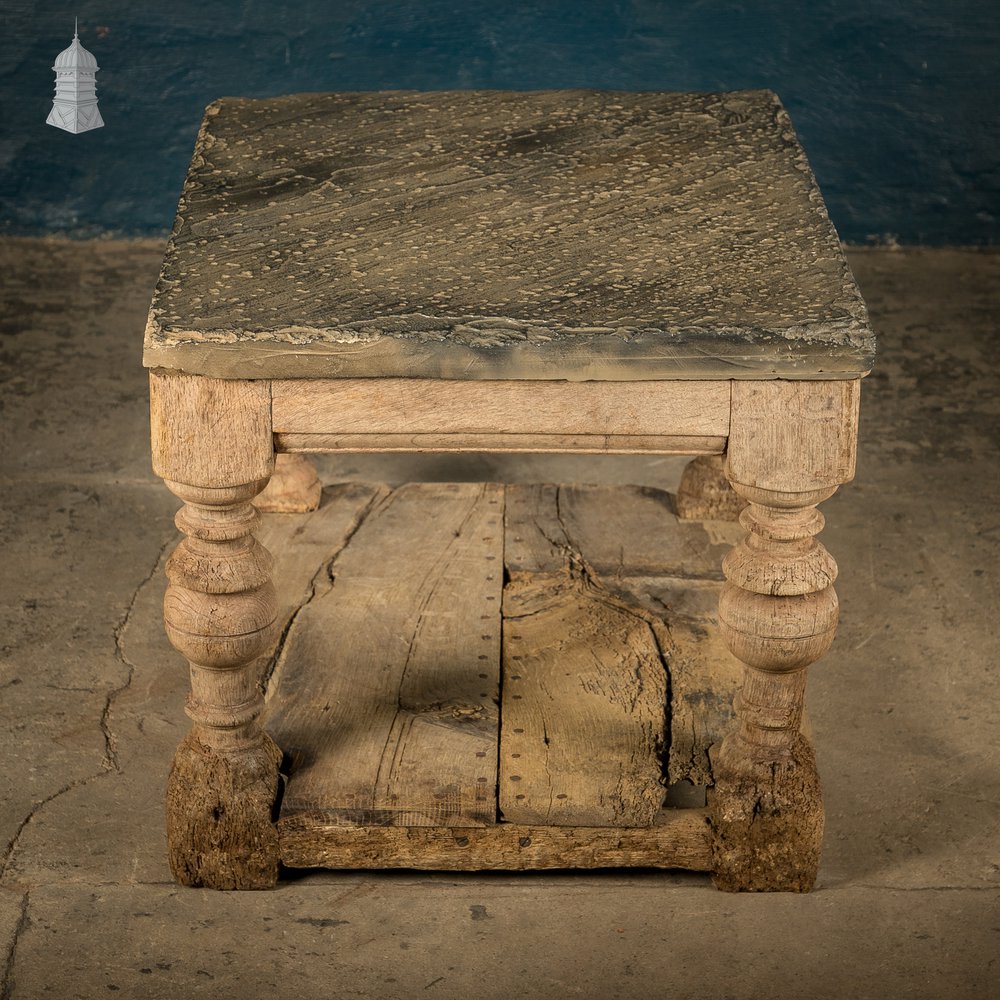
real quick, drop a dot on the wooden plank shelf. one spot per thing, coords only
(477, 676)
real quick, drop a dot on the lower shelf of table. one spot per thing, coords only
(476, 676)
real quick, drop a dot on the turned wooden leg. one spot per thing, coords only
(219, 612)
(211, 444)
(294, 488)
(705, 494)
(791, 444)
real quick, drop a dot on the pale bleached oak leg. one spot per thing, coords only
(790, 445)
(705, 494)
(212, 446)
(294, 488)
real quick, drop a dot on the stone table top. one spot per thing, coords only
(569, 234)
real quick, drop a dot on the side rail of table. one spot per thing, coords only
(788, 445)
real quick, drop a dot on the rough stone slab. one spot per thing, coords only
(490, 234)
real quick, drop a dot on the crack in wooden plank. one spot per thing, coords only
(440, 565)
(379, 498)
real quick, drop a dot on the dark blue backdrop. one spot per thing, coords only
(895, 102)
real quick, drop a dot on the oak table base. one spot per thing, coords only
(484, 271)
(787, 445)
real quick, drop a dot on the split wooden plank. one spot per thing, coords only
(620, 531)
(535, 539)
(584, 707)
(704, 679)
(304, 546)
(387, 697)
(658, 565)
(679, 838)
(704, 674)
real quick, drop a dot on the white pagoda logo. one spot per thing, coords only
(75, 106)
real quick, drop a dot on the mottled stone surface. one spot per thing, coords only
(496, 234)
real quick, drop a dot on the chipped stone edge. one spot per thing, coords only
(587, 356)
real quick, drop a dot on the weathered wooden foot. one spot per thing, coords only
(293, 489)
(705, 494)
(220, 832)
(767, 819)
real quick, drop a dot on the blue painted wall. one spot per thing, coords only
(897, 103)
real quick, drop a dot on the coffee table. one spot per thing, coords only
(559, 271)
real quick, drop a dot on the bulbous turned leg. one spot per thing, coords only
(293, 489)
(777, 613)
(212, 444)
(219, 611)
(705, 494)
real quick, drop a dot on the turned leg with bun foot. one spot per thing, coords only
(294, 488)
(212, 446)
(790, 445)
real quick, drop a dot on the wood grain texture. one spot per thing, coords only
(294, 487)
(590, 572)
(488, 234)
(793, 437)
(660, 567)
(587, 444)
(209, 432)
(438, 406)
(304, 548)
(554, 590)
(704, 493)
(219, 611)
(620, 531)
(778, 611)
(584, 706)
(385, 695)
(679, 838)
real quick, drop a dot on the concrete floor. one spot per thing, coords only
(905, 709)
